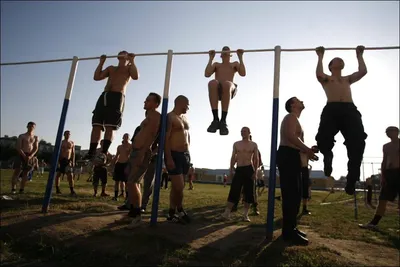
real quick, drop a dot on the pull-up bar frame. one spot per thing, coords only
(275, 108)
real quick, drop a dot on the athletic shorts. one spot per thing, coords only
(119, 172)
(243, 178)
(141, 167)
(99, 174)
(62, 166)
(220, 90)
(181, 161)
(20, 163)
(108, 110)
(391, 189)
(305, 180)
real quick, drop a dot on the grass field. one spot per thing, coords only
(85, 231)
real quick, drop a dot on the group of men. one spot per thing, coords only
(134, 160)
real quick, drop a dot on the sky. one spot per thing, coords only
(50, 30)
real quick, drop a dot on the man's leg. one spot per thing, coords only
(248, 192)
(234, 194)
(353, 132)
(227, 88)
(328, 128)
(58, 175)
(213, 96)
(108, 137)
(14, 179)
(148, 184)
(23, 181)
(71, 182)
(116, 190)
(104, 179)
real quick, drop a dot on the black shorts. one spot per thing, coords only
(62, 166)
(391, 189)
(22, 164)
(99, 174)
(108, 110)
(220, 91)
(305, 180)
(182, 163)
(119, 172)
(243, 178)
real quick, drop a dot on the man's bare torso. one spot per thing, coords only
(145, 132)
(27, 142)
(66, 149)
(124, 151)
(337, 89)
(118, 80)
(179, 139)
(245, 152)
(392, 151)
(284, 138)
(225, 71)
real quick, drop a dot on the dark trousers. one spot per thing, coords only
(343, 117)
(164, 180)
(369, 194)
(289, 165)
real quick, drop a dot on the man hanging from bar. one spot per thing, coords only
(110, 105)
(340, 114)
(222, 88)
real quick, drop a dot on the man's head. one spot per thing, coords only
(245, 132)
(336, 64)
(31, 126)
(226, 52)
(294, 104)
(152, 101)
(67, 134)
(392, 132)
(181, 104)
(125, 138)
(122, 58)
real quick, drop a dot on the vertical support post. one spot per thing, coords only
(274, 140)
(57, 145)
(157, 182)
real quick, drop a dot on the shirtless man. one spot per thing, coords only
(120, 162)
(177, 157)
(340, 114)
(245, 156)
(100, 172)
(222, 87)
(66, 163)
(141, 154)
(27, 147)
(110, 105)
(42, 165)
(289, 165)
(390, 178)
(191, 177)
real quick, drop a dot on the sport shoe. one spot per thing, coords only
(183, 217)
(246, 218)
(174, 218)
(306, 212)
(214, 126)
(104, 194)
(226, 216)
(223, 128)
(368, 226)
(136, 222)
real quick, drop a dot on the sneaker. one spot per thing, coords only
(183, 217)
(306, 212)
(73, 194)
(368, 226)
(143, 210)
(103, 194)
(223, 128)
(136, 222)
(246, 218)
(328, 158)
(214, 126)
(174, 218)
(226, 216)
(256, 211)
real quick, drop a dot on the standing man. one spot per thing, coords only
(120, 162)
(42, 165)
(27, 147)
(289, 165)
(245, 156)
(100, 172)
(222, 88)
(66, 163)
(141, 154)
(390, 178)
(340, 114)
(110, 105)
(177, 157)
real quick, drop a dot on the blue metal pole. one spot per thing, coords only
(157, 182)
(57, 145)
(274, 140)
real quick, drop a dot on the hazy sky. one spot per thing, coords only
(47, 30)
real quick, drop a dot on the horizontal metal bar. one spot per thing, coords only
(198, 53)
